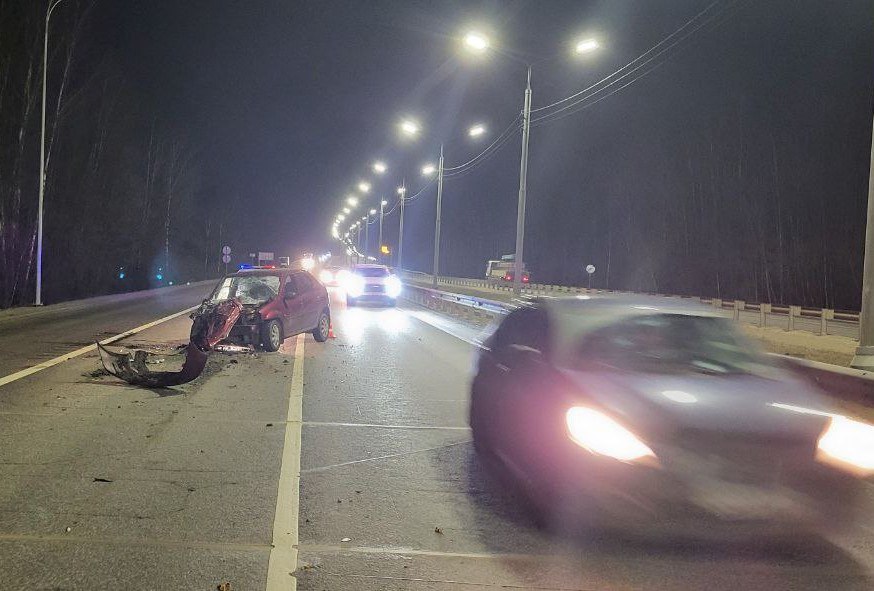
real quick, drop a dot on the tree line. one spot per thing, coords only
(126, 202)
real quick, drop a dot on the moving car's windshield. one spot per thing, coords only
(372, 272)
(249, 289)
(670, 343)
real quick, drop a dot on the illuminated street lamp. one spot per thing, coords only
(409, 128)
(379, 167)
(428, 170)
(352, 200)
(476, 42)
(586, 46)
(346, 210)
(364, 187)
(476, 130)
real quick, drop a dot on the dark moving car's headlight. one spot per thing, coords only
(848, 443)
(598, 433)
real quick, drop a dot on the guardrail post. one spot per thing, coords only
(716, 303)
(738, 306)
(764, 310)
(794, 311)
(827, 314)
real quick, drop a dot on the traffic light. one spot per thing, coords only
(384, 249)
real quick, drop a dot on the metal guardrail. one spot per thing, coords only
(819, 321)
(839, 382)
(469, 307)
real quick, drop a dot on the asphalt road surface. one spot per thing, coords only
(347, 462)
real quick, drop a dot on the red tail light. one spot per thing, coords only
(508, 277)
(524, 278)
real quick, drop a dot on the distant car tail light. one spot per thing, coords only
(508, 277)
(525, 278)
(598, 433)
(326, 276)
(393, 286)
(848, 443)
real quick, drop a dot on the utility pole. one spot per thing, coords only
(864, 357)
(382, 203)
(366, 236)
(42, 157)
(403, 193)
(523, 184)
(436, 271)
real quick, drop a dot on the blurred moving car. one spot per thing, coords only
(629, 412)
(372, 283)
(277, 304)
(333, 276)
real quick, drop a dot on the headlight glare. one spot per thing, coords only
(598, 433)
(355, 285)
(393, 287)
(849, 443)
(326, 276)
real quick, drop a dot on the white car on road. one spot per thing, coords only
(372, 283)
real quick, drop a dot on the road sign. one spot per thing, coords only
(226, 250)
(590, 269)
(226, 258)
(265, 256)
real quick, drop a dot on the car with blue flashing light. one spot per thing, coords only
(654, 415)
(371, 283)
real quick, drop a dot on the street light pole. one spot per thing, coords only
(366, 236)
(864, 357)
(523, 185)
(436, 271)
(381, 215)
(42, 157)
(403, 192)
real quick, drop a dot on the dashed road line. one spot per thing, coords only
(385, 457)
(379, 426)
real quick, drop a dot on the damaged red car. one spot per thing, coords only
(276, 304)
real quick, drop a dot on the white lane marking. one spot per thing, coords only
(376, 425)
(67, 356)
(385, 457)
(401, 551)
(283, 554)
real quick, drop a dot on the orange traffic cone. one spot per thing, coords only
(331, 334)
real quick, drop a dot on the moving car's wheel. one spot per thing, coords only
(271, 336)
(350, 301)
(323, 327)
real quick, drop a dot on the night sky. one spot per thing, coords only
(290, 102)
